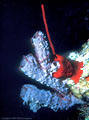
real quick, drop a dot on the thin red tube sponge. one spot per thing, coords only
(68, 69)
(46, 28)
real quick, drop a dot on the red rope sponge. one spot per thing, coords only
(46, 28)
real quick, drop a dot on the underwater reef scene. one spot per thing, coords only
(44, 51)
(67, 77)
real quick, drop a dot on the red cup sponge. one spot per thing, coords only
(68, 68)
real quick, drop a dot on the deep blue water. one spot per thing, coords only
(68, 27)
